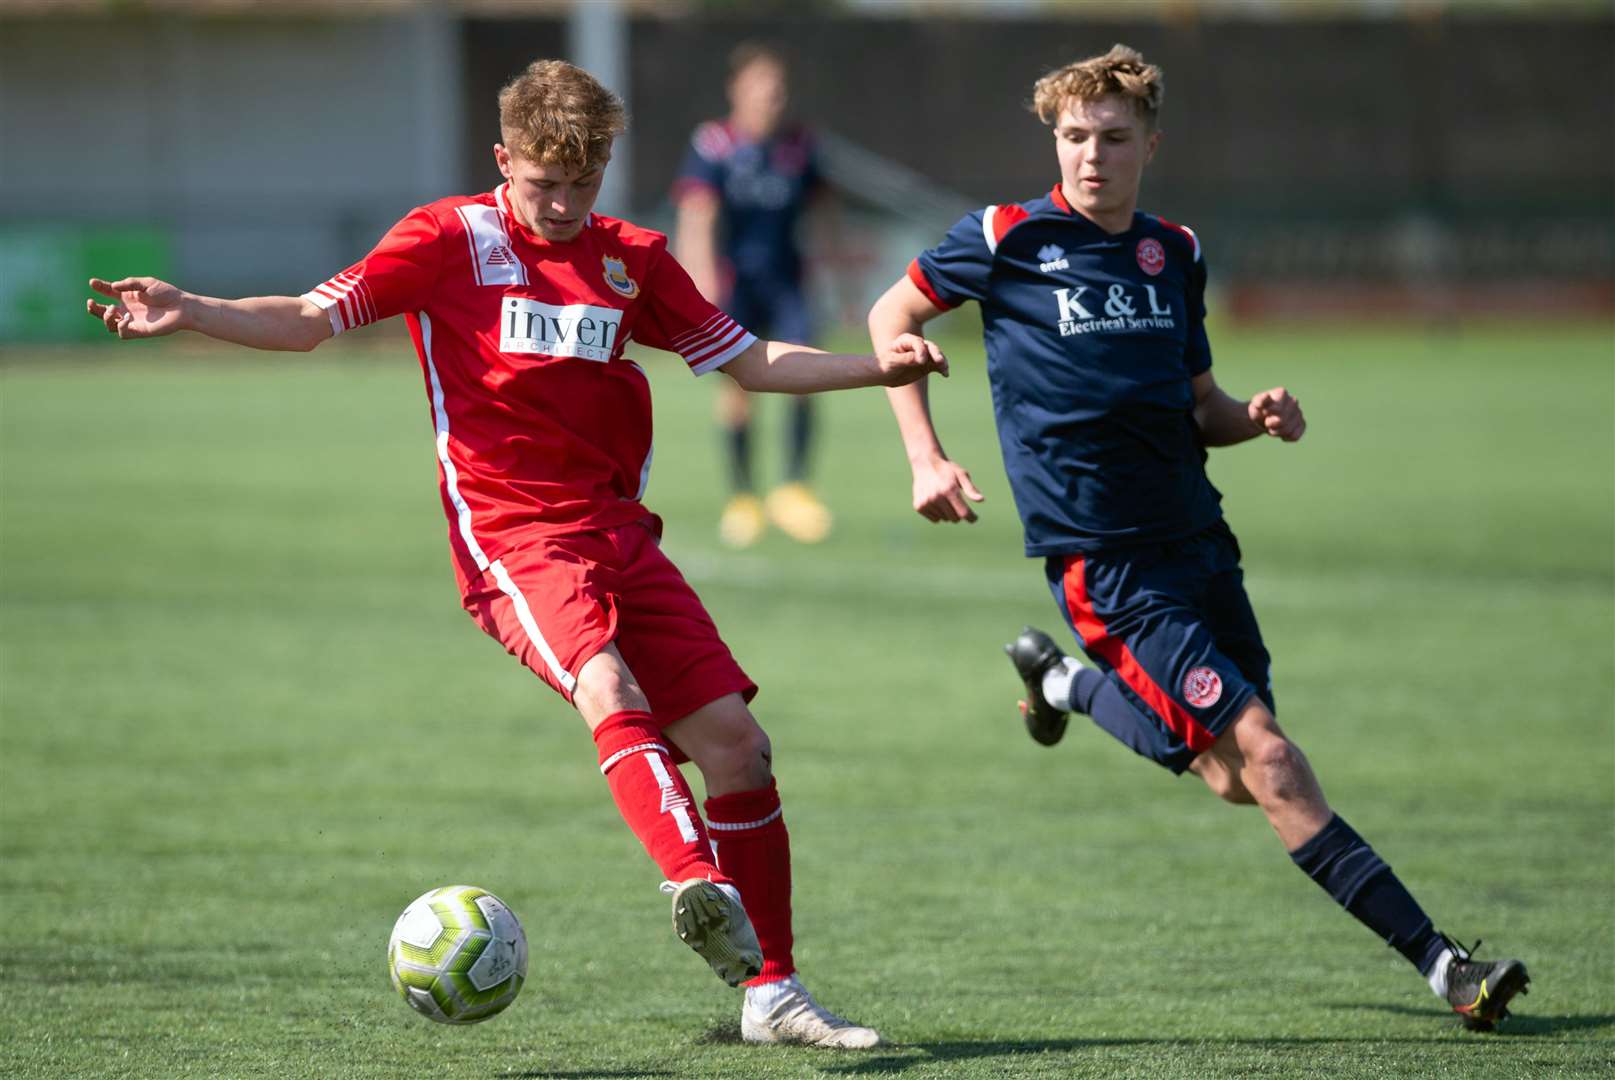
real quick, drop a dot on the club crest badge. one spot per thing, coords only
(1202, 687)
(617, 277)
(1151, 256)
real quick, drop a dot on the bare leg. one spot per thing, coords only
(725, 742)
(1253, 762)
(606, 687)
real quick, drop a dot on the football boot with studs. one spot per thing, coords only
(1034, 655)
(1480, 990)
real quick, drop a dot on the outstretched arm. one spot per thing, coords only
(782, 368)
(153, 308)
(1225, 420)
(940, 486)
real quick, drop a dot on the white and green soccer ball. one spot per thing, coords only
(458, 955)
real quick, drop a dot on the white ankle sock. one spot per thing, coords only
(1057, 683)
(764, 995)
(1438, 974)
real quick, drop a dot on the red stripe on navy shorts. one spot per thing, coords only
(1097, 639)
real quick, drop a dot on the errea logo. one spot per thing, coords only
(1053, 257)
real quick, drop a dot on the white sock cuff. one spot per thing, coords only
(1057, 683)
(1438, 973)
(765, 995)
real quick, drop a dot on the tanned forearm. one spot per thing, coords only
(782, 368)
(911, 406)
(279, 323)
(893, 314)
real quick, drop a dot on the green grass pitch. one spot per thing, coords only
(245, 722)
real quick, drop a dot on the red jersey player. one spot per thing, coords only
(520, 302)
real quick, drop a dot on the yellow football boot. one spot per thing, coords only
(743, 521)
(798, 513)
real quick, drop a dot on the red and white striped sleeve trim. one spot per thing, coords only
(996, 221)
(1194, 240)
(346, 299)
(712, 344)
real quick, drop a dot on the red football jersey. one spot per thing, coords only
(542, 426)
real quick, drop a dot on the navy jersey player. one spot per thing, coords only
(741, 192)
(1093, 317)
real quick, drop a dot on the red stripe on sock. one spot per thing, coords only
(1091, 628)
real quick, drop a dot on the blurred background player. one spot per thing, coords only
(1093, 315)
(741, 194)
(519, 302)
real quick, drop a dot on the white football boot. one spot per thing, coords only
(709, 918)
(784, 1012)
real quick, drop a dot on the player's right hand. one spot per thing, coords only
(151, 308)
(909, 358)
(941, 488)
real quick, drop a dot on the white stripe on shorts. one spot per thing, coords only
(462, 520)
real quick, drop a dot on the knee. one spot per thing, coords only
(740, 756)
(603, 689)
(1278, 768)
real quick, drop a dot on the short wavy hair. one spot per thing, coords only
(1122, 71)
(555, 113)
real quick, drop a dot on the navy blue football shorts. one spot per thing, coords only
(1172, 629)
(772, 309)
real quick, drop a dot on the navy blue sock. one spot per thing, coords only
(1084, 687)
(737, 441)
(1348, 869)
(1100, 696)
(798, 439)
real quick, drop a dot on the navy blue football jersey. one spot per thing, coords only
(763, 187)
(1091, 339)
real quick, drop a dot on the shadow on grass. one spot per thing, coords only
(723, 1034)
(901, 1057)
(1526, 1024)
(581, 1074)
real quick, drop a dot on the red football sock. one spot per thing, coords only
(754, 849)
(653, 797)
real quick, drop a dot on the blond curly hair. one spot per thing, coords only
(557, 114)
(1121, 71)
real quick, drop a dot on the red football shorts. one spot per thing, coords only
(557, 601)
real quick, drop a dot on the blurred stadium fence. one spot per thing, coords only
(1361, 160)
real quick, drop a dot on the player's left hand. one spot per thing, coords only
(910, 358)
(1278, 413)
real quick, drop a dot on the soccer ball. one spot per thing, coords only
(458, 954)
